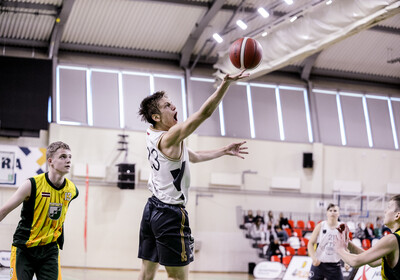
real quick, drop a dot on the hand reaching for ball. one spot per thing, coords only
(343, 238)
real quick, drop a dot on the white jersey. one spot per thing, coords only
(169, 178)
(327, 240)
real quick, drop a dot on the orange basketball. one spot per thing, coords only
(245, 53)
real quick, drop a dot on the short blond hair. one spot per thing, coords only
(53, 147)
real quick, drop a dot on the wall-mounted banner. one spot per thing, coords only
(19, 163)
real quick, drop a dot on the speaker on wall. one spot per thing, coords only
(126, 176)
(307, 160)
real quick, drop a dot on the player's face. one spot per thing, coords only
(169, 115)
(333, 213)
(61, 161)
(391, 213)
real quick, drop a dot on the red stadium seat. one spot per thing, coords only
(275, 258)
(310, 225)
(303, 242)
(302, 251)
(291, 223)
(290, 251)
(366, 244)
(286, 260)
(289, 231)
(299, 232)
(300, 224)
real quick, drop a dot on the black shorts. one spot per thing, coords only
(43, 261)
(329, 271)
(165, 235)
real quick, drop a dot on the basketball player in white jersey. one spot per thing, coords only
(165, 235)
(326, 261)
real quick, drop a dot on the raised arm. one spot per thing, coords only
(180, 131)
(22, 193)
(234, 149)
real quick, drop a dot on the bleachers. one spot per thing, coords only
(302, 224)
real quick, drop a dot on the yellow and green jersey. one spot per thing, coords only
(391, 273)
(43, 214)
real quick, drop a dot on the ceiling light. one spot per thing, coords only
(263, 12)
(328, 2)
(241, 24)
(289, 2)
(264, 34)
(217, 38)
(293, 19)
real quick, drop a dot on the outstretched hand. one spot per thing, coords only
(235, 77)
(236, 149)
(343, 238)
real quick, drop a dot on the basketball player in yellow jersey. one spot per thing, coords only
(385, 252)
(39, 234)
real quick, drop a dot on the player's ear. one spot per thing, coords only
(156, 117)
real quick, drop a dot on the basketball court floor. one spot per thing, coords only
(109, 274)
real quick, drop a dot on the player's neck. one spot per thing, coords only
(56, 178)
(332, 223)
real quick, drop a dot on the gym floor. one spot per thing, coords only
(109, 274)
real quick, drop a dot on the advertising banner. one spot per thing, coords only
(19, 163)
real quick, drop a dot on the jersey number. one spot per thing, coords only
(177, 174)
(155, 163)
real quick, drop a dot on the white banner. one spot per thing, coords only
(19, 163)
(7, 175)
(299, 268)
(5, 258)
(368, 273)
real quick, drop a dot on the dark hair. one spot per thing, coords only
(396, 199)
(331, 205)
(53, 147)
(149, 106)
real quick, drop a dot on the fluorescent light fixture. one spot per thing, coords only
(392, 123)
(351, 94)
(152, 88)
(202, 79)
(308, 117)
(291, 88)
(341, 123)
(49, 110)
(241, 24)
(264, 34)
(262, 85)
(251, 114)
(279, 111)
(263, 12)
(292, 19)
(324, 91)
(328, 2)
(221, 119)
(367, 122)
(58, 119)
(184, 101)
(289, 2)
(71, 67)
(121, 101)
(218, 38)
(89, 97)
